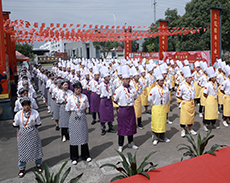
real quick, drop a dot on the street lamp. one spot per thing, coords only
(114, 18)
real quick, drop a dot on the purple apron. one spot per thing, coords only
(94, 102)
(106, 110)
(87, 93)
(126, 121)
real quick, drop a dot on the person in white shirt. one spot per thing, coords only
(85, 83)
(48, 84)
(105, 90)
(27, 121)
(187, 95)
(61, 99)
(211, 105)
(76, 105)
(124, 96)
(158, 98)
(225, 89)
(94, 98)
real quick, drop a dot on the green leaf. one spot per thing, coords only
(143, 163)
(192, 142)
(57, 176)
(76, 179)
(198, 145)
(65, 175)
(117, 178)
(40, 173)
(47, 172)
(38, 178)
(145, 174)
(134, 168)
(130, 157)
(51, 178)
(152, 167)
(124, 163)
(108, 164)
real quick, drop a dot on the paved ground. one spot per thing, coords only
(101, 147)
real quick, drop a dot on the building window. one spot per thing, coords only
(77, 52)
(80, 52)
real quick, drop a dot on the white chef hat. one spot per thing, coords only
(125, 71)
(135, 72)
(227, 71)
(141, 69)
(211, 72)
(186, 63)
(149, 67)
(157, 73)
(86, 71)
(167, 61)
(197, 64)
(95, 70)
(187, 71)
(119, 70)
(104, 72)
(163, 68)
(161, 62)
(223, 64)
(171, 62)
(77, 67)
(72, 67)
(59, 64)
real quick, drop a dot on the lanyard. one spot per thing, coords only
(66, 95)
(107, 87)
(214, 86)
(78, 105)
(160, 90)
(143, 80)
(136, 86)
(96, 84)
(27, 118)
(127, 93)
(189, 87)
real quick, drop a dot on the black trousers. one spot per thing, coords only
(201, 109)
(64, 132)
(207, 122)
(197, 100)
(74, 155)
(122, 138)
(94, 115)
(139, 121)
(183, 126)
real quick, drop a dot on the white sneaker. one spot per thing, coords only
(74, 162)
(88, 159)
(192, 132)
(182, 133)
(198, 104)
(63, 139)
(132, 145)
(155, 142)
(169, 122)
(166, 139)
(44, 101)
(225, 123)
(201, 115)
(205, 128)
(218, 112)
(48, 112)
(120, 148)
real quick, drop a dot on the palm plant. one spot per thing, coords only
(50, 178)
(197, 149)
(130, 166)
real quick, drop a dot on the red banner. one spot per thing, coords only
(127, 48)
(215, 34)
(163, 40)
(191, 56)
(148, 55)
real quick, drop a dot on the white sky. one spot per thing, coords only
(132, 12)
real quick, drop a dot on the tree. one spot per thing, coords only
(26, 49)
(105, 47)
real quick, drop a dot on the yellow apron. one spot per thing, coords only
(159, 118)
(178, 100)
(220, 96)
(202, 98)
(197, 90)
(173, 81)
(144, 98)
(168, 104)
(211, 108)
(138, 107)
(226, 103)
(115, 105)
(187, 112)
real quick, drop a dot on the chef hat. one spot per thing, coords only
(161, 62)
(171, 62)
(223, 64)
(59, 64)
(141, 69)
(134, 71)
(163, 68)
(167, 61)
(224, 69)
(86, 71)
(25, 82)
(22, 89)
(187, 71)
(25, 100)
(154, 65)
(186, 63)
(157, 73)
(95, 70)
(227, 71)
(77, 68)
(104, 72)
(119, 70)
(59, 80)
(125, 71)
(197, 64)
(149, 67)
(211, 72)
(72, 67)
(68, 65)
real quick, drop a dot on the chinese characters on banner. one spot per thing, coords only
(215, 34)
(163, 40)
(127, 48)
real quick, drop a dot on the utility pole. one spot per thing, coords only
(154, 10)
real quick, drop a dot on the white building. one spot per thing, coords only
(56, 46)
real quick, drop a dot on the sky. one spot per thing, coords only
(96, 12)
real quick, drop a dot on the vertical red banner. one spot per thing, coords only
(163, 39)
(215, 34)
(127, 48)
(4, 69)
(9, 50)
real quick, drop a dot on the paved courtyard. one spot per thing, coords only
(102, 148)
